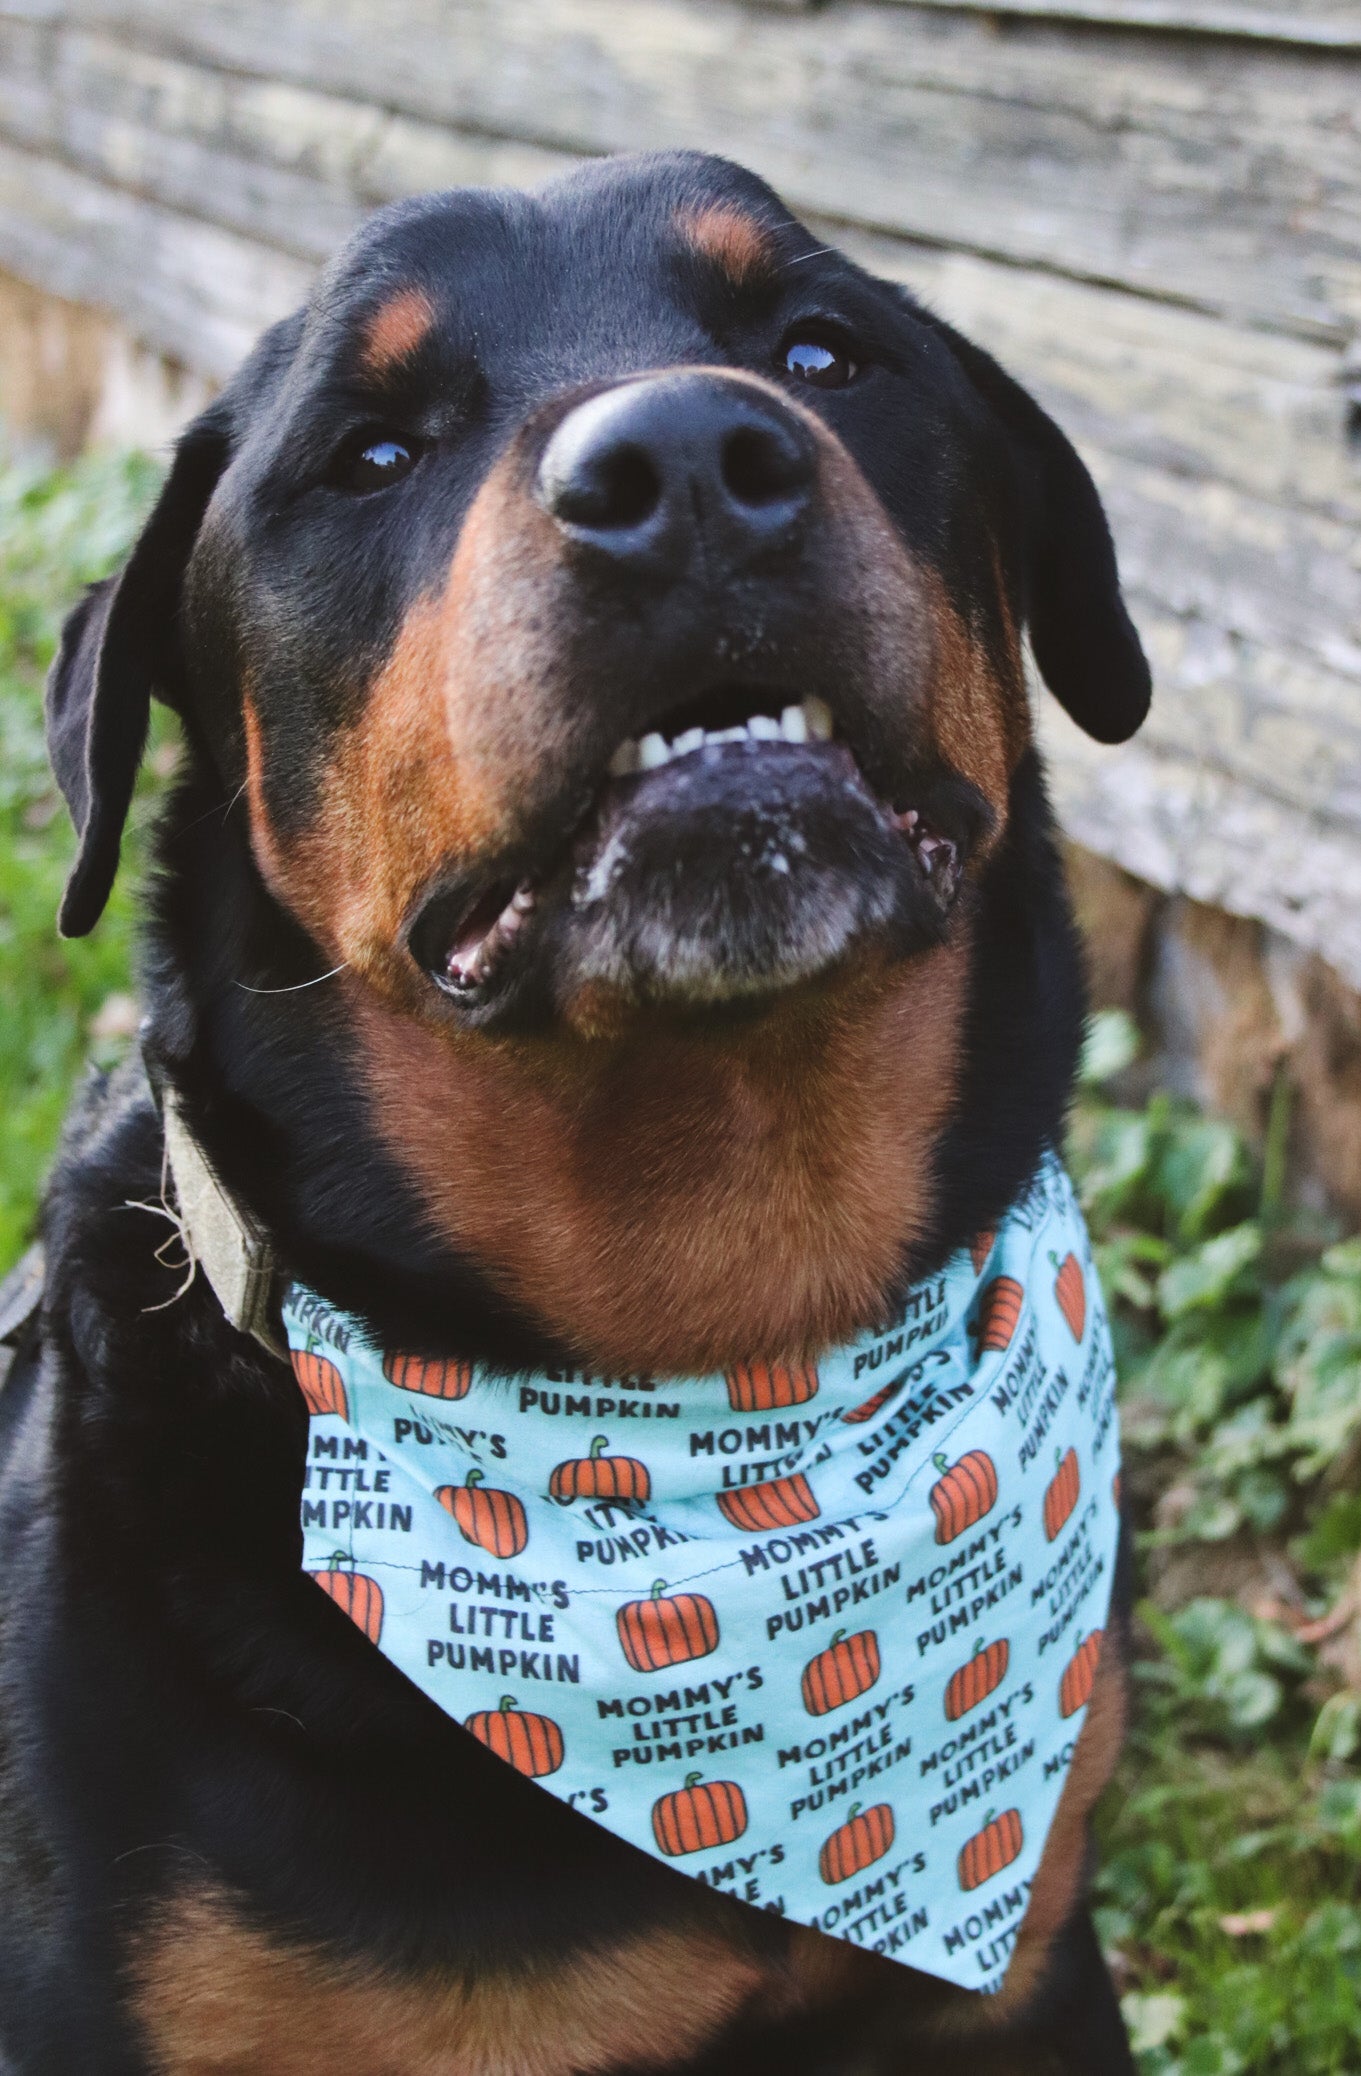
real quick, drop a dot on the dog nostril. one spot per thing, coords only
(614, 487)
(761, 466)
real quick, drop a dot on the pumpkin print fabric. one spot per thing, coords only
(821, 1636)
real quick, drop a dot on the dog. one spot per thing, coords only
(607, 924)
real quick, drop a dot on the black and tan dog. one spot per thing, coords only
(518, 1032)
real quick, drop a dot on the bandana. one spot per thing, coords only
(820, 1635)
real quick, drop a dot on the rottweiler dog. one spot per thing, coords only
(608, 913)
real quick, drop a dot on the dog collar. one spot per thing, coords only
(820, 1635)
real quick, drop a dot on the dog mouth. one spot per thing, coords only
(733, 847)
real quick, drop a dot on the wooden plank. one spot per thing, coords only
(1182, 824)
(1322, 24)
(1099, 154)
(197, 293)
(293, 169)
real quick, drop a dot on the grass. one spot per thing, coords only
(1229, 1890)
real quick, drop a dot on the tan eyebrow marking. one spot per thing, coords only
(734, 241)
(396, 329)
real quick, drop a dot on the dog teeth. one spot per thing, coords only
(811, 721)
(819, 718)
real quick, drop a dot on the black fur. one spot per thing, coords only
(175, 1696)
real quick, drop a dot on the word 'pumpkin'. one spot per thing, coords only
(758, 1387)
(963, 1494)
(695, 1818)
(846, 1669)
(978, 1677)
(864, 1838)
(598, 1476)
(1061, 1494)
(357, 1595)
(666, 1629)
(531, 1744)
(999, 1312)
(448, 1378)
(321, 1382)
(781, 1504)
(991, 1849)
(1079, 1675)
(494, 1520)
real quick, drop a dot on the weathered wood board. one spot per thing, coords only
(1150, 211)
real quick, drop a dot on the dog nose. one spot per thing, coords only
(647, 473)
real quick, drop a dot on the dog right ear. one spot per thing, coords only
(117, 648)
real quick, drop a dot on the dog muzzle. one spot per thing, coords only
(821, 1635)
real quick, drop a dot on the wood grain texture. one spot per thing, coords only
(1160, 234)
(1327, 24)
(1104, 155)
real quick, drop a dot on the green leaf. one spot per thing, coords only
(1212, 1273)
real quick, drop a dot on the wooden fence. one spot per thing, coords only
(1150, 209)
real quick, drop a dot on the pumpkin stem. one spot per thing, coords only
(978, 1647)
(474, 1477)
(601, 1442)
(853, 1811)
(941, 1460)
(507, 1703)
(692, 1778)
(659, 1589)
(339, 1557)
(1053, 1259)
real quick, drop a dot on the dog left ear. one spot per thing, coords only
(1084, 641)
(117, 648)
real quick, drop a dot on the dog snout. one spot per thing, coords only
(658, 472)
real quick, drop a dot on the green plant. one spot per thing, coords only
(1229, 1891)
(59, 529)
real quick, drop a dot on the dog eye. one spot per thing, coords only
(813, 360)
(373, 460)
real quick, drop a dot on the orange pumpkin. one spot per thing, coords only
(494, 1520)
(1071, 1292)
(846, 1669)
(757, 1387)
(356, 1594)
(873, 1405)
(322, 1384)
(783, 1503)
(666, 1629)
(991, 1849)
(696, 1817)
(531, 1744)
(1061, 1493)
(977, 1677)
(963, 1494)
(1079, 1675)
(980, 1247)
(598, 1476)
(864, 1838)
(449, 1377)
(999, 1312)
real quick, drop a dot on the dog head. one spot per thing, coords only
(608, 606)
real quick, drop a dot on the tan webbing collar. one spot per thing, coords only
(231, 1247)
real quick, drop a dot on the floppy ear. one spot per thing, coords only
(1084, 640)
(117, 648)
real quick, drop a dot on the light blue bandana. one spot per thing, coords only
(819, 1636)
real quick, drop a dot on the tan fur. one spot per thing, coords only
(396, 329)
(215, 1995)
(734, 241)
(679, 1200)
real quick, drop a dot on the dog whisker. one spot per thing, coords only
(297, 986)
